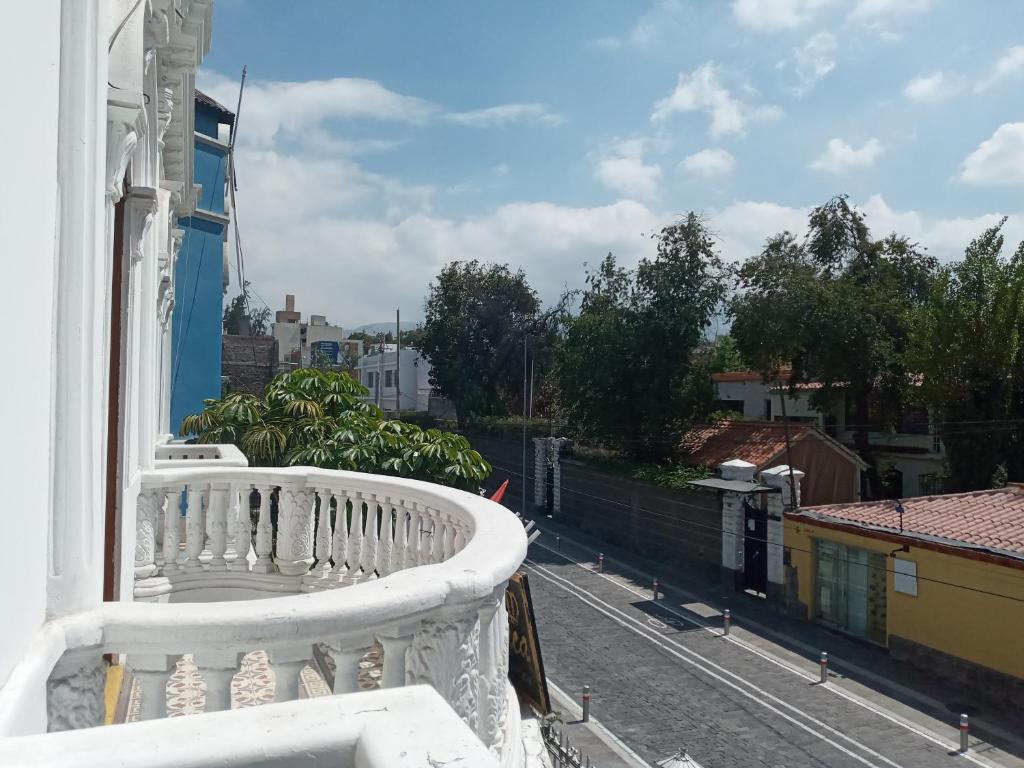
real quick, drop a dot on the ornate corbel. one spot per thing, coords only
(164, 113)
(122, 138)
(140, 210)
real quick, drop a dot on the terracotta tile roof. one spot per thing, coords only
(758, 442)
(746, 376)
(990, 520)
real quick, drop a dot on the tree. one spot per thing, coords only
(477, 317)
(968, 346)
(723, 355)
(259, 321)
(630, 374)
(234, 316)
(837, 310)
(318, 418)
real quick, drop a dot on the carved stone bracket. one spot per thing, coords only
(124, 125)
(141, 208)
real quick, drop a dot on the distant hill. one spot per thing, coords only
(385, 327)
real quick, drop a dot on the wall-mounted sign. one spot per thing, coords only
(525, 665)
(324, 352)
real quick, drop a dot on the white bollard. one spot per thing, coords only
(824, 667)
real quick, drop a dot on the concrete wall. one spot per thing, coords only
(675, 527)
(30, 48)
(964, 624)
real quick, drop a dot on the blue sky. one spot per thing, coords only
(379, 140)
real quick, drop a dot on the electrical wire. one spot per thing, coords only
(651, 514)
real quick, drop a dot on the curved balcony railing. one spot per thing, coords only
(423, 567)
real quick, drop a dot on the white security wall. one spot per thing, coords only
(28, 201)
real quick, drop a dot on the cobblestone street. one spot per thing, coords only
(664, 678)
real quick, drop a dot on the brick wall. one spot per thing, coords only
(248, 362)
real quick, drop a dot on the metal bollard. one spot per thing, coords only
(726, 621)
(586, 703)
(824, 667)
(600, 562)
(558, 542)
(654, 589)
(963, 733)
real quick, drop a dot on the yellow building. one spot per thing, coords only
(939, 580)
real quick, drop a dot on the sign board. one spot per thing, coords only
(904, 576)
(525, 665)
(324, 352)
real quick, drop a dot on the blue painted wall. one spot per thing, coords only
(199, 282)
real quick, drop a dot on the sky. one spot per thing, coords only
(381, 139)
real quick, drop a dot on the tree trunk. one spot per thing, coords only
(861, 440)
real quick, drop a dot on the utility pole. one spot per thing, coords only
(398, 359)
(522, 502)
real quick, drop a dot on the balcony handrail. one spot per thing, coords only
(494, 551)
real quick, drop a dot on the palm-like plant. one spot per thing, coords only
(317, 418)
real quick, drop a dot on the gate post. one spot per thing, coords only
(733, 522)
(540, 469)
(778, 503)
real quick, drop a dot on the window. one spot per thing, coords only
(729, 405)
(369, 379)
(389, 378)
(905, 576)
(768, 409)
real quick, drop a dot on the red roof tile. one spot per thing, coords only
(991, 520)
(758, 442)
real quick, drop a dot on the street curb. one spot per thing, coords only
(613, 742)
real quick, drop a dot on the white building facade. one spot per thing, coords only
(398, 380)
(142, 551)
(913, 454)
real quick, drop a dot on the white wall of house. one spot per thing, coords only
(755, 395)
(30, 48)
(414, 379)
(88, 114)
(917, 457)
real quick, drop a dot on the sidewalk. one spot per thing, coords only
(603, 748)
(864, 670)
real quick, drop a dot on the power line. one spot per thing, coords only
(719, 530)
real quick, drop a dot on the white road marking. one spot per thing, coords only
(851, 697)
(708, 667)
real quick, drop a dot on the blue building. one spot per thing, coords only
(201, 272)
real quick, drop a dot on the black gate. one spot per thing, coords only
(755, 547)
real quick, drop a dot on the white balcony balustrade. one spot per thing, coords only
(343, 561)
(407, 728)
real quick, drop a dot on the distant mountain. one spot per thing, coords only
(385, 327)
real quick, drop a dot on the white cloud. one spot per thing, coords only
(660, 21)
(840, 156)
(776, 15)
(505, 114)
(708, 163)
(813, 60)
(999, 160)
(1009, 65)
(701, 90)
(621, 168)
(878, 11)
(934, 87)
(302, 111)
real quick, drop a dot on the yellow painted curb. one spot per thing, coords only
(111, 691)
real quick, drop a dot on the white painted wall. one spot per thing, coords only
(414, 379)
(28, 202)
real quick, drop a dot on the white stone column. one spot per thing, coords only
(779, 477)
(733, 517)
(540, 452)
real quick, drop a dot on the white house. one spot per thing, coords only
(911, 456)
(156, 556)
(397, 380)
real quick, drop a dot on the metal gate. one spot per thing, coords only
(755, 547)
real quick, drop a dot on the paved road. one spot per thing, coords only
(663, 679)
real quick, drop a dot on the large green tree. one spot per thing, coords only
(970, 350)
(477, 319)
(837, 309)
(318, 418)
(629, 372)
